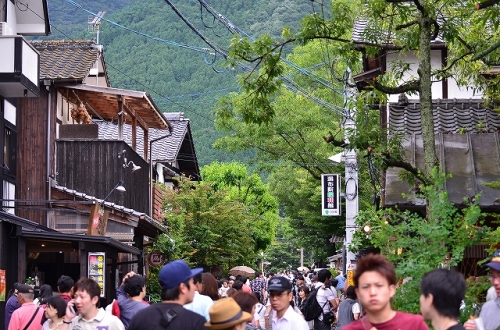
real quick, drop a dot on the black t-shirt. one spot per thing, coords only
(149, 318)
(457, 326)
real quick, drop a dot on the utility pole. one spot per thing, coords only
(351, 173)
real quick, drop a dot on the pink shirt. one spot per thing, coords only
(22, 316)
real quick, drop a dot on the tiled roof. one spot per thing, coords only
(450, 116)
(65, 60)
(164, 150)
(471, 158)
(133, 213)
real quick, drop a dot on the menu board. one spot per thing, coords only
(96, 270)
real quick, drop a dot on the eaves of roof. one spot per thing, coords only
(83, 238)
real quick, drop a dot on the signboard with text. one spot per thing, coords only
(330, 194)
(96, 270)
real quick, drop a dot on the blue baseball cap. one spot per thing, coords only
(175, 273)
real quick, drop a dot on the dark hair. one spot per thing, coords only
(324, 275)
(59, 304)
(230, 292)
(89, 285)
(377, 263)
(351, 292)
(210, 287)
(14, 288)
(133, 285)
(448, 290)
(257, 274)
(64, 284)
(197, 278)
(300, 277)
(305, 288)
(238, 285)
(173, 293)
(245, 300)
(45, 293)
(243, 279)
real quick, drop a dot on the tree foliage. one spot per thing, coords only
(222, 221)
(415, 244)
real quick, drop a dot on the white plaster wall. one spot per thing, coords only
(10, 113)
(11, 17)
(437, 92)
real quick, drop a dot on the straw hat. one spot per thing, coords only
(226, 313)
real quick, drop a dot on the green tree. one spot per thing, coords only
(251, 192)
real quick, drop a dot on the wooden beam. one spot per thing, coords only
(134, 133)
(131, 111)
(120, 118)
(146, 145)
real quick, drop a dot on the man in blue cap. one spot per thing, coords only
(177, 289)
(489, 318)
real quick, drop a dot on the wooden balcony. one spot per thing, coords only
(94, 167)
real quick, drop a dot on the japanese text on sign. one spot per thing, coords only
(330, 192)
(96, 270)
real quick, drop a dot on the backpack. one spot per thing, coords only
(310, 307)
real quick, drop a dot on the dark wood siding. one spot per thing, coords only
(93, 167)
(31, 182)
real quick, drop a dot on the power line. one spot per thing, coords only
(289, 83)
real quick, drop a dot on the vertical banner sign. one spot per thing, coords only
(330, 194)
(96, 269)
(3, 285)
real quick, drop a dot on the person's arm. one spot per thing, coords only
(332, 298)
(469, 325)
(356, 311)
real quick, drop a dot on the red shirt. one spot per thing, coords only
(402, 321)
(246, 288)
(22, 316)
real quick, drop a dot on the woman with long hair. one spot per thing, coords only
(303, 293)
(45, 293)
(55, 310)
(210, 287)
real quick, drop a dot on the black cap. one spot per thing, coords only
(279, 283)
(25, 288)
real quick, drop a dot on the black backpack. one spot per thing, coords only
(310, 307)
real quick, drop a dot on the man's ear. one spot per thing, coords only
(95, 300)
(392, 290)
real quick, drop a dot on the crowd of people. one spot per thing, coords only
(192, 299)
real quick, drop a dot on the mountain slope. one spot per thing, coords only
(178, 78)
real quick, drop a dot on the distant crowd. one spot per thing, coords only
(195, 300)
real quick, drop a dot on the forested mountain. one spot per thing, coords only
(149, 48)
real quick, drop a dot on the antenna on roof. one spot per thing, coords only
(94, 24)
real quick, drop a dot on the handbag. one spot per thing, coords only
(328, 318)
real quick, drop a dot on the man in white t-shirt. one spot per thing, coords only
(327, 298)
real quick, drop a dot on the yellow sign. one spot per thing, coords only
(97, 263)
(350, 278)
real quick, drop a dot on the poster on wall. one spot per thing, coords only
(3, 284)
(96, 270)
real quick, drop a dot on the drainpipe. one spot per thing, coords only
(47, 84)
(151, 171)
